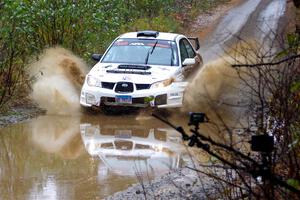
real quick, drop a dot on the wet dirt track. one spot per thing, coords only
(83, 157)
(251, 20)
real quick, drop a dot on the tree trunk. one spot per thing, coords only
(297, 5)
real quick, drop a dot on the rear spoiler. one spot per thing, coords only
(195, 42)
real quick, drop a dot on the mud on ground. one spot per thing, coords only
(205, 23)
(19, 113)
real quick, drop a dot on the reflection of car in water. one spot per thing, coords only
(126, 150)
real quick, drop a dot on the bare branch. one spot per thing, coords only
(266, 64)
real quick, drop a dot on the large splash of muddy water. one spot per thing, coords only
(214, 90)
(59, 75)
(223, 92)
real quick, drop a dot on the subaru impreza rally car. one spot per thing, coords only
(141, 69)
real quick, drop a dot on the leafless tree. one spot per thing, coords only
(272, 85)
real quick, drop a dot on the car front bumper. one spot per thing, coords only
(170, 96)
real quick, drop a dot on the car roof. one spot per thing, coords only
(160, 36)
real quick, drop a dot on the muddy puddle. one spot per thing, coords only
(84, 157)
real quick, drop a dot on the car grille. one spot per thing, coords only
(124, 87)
(142, 86)
(123, 144)
(139, 100)
(109, 99)
(108, 85)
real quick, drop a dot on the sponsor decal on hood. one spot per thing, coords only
(135, 73)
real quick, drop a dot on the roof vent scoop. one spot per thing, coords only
(147, 34)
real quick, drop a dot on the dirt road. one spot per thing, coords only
(257, 20)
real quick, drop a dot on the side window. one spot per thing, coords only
(189, 49)
(183, 52)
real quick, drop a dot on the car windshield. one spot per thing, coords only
(142, 51)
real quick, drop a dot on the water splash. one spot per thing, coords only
(218, 91)
(59, 76)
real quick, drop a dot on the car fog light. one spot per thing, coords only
(161, 99)
(90, 99)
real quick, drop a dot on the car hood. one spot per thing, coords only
(110, 72)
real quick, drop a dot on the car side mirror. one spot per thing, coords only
(189, 61)
(96, 56)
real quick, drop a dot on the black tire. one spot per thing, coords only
(89, 110)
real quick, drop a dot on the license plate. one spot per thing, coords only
(124, 99)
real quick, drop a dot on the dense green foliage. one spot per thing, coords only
(83, 27)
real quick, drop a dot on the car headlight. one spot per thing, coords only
(93, 81)
(163, 83)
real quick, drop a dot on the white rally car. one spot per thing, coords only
(141, 69)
